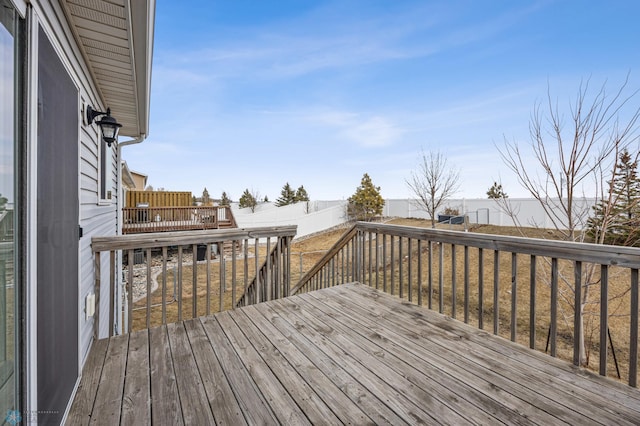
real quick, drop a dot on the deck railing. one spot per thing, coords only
(265, 284)
(172, 270)
(523, 289)
(159, 219)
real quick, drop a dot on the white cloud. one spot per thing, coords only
(361, 129)
(373, 132)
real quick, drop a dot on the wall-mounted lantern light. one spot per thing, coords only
(109, 127)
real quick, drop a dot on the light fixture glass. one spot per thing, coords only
(109, 127)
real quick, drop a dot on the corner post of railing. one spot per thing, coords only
(356, 256)
(288, 268)
(277, 268)
(129, 318)
(245, 251)
(257, 294)
(96, 316)
(112, 289)
(269, 284)
(363, 256)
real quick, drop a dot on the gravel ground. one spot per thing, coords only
(140, 273)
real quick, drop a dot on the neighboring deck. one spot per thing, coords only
(346, 354)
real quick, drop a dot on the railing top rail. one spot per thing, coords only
(195, 208)
(586, 252)
(161, 239)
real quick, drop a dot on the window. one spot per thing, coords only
(105, 172)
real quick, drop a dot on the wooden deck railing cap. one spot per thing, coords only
(577, 251)
(159, 239)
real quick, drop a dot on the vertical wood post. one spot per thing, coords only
(96, 315)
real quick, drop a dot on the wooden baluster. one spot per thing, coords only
(441, 277)
(384, 262)
(532, 302)
(258, 285)
(577, 312)
(430, 273)
(233, 274)
(496, 292)
(164, 284)
(420, 272)
(179, 283)
(453, 281)
(370, 265)
(633, 334)
(480, 289)
(400, 267)
(391, 265)
(223, 278)
(246, 272)
(466, 284)
(194, 281)
(269, 284)
(553, 328)
(377, 263)
(514, 296)
(148, 257)
(604, 317)
(409, 276)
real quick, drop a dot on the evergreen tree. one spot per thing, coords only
(367, 202)
(248, 199)
(266, 199)
(206, 199)
(618, 217)
(301, 195)
(287, 196)
(496, 191)
(224, 199)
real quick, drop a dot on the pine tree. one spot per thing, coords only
(367, 202)
(619, 221)
(496, 191)
(224, 199)
(301, 195)
(248, 199)
(287, 196)
(206, 199)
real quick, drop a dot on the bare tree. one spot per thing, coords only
(433, 183)
(569, 159)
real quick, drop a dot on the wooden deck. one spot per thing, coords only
(342, 355)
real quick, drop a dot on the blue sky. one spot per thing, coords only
(254, 94)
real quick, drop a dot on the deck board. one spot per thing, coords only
(554, 381)
(136, 400)
(227, 410)
(165, 401)
(343, 355)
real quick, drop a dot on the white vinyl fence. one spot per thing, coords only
(317, 216)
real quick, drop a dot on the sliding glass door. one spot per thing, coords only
(11, 59)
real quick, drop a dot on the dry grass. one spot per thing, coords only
(307, 252)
